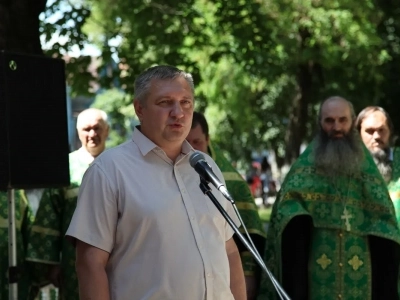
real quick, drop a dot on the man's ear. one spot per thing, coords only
(208, 140)
(138, 108)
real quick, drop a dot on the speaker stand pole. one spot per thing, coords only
(12, 248)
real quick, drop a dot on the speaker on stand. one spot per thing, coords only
(33, 133)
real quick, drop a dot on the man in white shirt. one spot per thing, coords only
(142, 226)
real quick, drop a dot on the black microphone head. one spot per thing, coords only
(195, 158)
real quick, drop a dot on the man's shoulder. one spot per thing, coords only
(114, 152)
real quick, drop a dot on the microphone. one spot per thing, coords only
(199, 163)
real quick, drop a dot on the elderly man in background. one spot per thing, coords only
(333, 231)
(376, 130)
(46, 243)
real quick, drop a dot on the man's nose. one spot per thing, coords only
(177, 110)
(92, 133)
(337, 126)
(376, 135)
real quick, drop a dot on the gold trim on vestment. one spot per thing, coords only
(4, 223)
(232, 176)
(246, 205)
(46, 231)
(49, 262)
(320, 197)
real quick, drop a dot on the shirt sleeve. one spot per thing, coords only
(96, 215)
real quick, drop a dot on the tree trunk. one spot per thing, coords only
(19, 25)
(297, 129)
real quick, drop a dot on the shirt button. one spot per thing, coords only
(340, 296)
(208, 274)
(341, 234)
(340, 265)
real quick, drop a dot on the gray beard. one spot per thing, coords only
(338, 156)
(381, 158)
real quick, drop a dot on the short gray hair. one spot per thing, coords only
(143, 81)
(91, 111)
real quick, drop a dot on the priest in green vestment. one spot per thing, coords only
(23, 222)
(333, 231)
(238, 188)
(46, 243)
(376, 130)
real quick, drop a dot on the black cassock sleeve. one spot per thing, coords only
(385, 259)
(296, 239)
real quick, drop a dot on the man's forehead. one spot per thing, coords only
(91, 120)
(335, 109)
(375, 120)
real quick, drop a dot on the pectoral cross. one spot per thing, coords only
(346, 216)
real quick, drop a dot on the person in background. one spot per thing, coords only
(376, 130)
(46, 242)
(333, 232)
(200, 140)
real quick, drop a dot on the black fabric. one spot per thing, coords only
(296, 239)
(385, 260)
(258, 241)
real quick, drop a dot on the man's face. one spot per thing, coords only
(198, 139)
(375, 132)
(336, 119)
(93, 133)
(166, 116)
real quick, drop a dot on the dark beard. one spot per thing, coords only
(338, 156)
(381, 158)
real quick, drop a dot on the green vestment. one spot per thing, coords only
(247, 208)
(23, 222)
(394, 184)
(338, 238)
(47, 244)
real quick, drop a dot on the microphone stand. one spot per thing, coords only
(207, 191)
(12, 248)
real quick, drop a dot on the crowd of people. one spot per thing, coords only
(134, 223)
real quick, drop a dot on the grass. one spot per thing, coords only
(265, 214)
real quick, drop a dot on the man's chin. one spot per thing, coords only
(92, 145)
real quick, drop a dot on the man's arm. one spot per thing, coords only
(238, 285)
(91, 270)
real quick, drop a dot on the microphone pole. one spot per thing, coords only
(207, 191)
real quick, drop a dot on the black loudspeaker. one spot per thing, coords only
(33, 122)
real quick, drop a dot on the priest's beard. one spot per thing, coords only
(381, 158)
(338, 156)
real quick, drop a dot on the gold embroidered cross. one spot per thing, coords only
(346, 216)
(355, 262)
(324, 261)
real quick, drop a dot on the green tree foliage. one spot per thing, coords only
(121, 114)
(261, 66)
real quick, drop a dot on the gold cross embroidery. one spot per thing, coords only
(324, 261)
(355, 262)
(346, 216)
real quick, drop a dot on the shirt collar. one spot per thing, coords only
(145, 145)
(85, 156)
